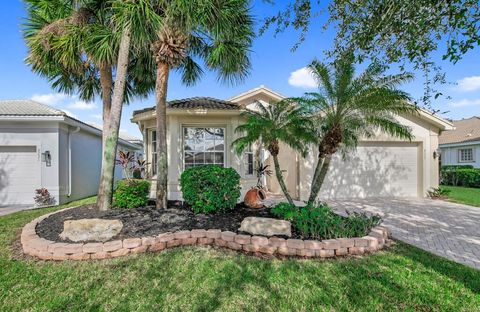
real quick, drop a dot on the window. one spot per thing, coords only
(203, 146)
(248, 161)
(154, 152)
(465, 155)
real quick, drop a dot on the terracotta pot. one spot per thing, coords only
(254, 197)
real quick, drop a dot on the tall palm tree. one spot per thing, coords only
(75, 44)
(274, 123)
(349, 108)
(217, 32)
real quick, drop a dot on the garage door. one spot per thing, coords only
(375, 170)
(19, 174)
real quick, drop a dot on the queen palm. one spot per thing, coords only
(217, 32)
(349, 108)
(274, 123)
(75, 44)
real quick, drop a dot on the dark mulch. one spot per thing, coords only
(147, 221)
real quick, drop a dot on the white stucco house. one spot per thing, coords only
(200, 130)
(43, 147)
(462, 145)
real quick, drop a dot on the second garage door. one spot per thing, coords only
(376, 169)
(19, 174)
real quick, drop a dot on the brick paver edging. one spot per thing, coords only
(44, 249)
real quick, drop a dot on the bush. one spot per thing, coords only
(320, 222)
(438, 192)
(131, 193)
(460, 176)
(210, 188)
(43, 198)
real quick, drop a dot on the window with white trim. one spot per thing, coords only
(203, 146)
(465, 155)
(249, 161)
(154, 152)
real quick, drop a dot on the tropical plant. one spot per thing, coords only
(43, 198)
(274, 123)
(349, 108)
(140, 168)
(125, 159)
(262, 170)
(75, 44)
(219, 33)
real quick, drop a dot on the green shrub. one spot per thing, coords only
(210, 188)
(320, 222)
(460, 176)
(131, 193)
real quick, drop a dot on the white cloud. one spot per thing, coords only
(465, 103)
(471, 83)
(81, 105)
(49, 99)
(97, 116)
(302, 78)
(69, 113)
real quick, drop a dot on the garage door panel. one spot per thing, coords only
(374, 171)
(19, 174)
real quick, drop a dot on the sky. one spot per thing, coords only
(274, 65)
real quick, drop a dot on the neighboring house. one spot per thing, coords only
(200, 130)
(462, 145)
(42, 147)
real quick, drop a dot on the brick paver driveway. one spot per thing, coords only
(445, 229)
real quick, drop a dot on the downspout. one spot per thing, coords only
(70, 159)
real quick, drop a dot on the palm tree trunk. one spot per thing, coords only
(163, 70)
(113, 125)
(106, 83)
(279, 176)
(319, 178)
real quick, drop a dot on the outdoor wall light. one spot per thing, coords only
(47, 158)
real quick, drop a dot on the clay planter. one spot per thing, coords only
(254, 197)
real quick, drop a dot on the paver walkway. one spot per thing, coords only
(11, 209)
(445, 229)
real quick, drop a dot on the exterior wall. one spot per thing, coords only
(175, 124)
(450, 154)
(43, 135)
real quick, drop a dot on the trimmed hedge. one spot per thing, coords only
(210, 188)
(131, 193)
(460, 176)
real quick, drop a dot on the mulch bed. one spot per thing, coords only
(149, 221)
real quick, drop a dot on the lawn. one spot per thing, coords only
(464, 195)
(201, 279)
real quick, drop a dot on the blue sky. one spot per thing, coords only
(274, 65)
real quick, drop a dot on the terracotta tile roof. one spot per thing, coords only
(27, 108)
(195, 102)
(466, 130)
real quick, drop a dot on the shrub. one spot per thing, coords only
(210, 188)
(43, 198)
(320, 222)
(460, 176)
(131, 193)
(438, 192)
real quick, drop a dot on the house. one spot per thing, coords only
(200, 130)
(462, 145)
(43, 147)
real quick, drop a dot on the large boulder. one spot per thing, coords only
(98, 230)
(266, 226)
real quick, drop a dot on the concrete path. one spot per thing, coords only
(11, 209)
(445, 229)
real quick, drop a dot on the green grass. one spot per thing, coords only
(204, 279)
(464, 195)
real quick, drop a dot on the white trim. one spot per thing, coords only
(459, 155)
(459, 144)
(182, 136)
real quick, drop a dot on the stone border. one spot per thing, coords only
(44, 249)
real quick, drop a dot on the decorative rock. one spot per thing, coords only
(98, 230)
(266, 226)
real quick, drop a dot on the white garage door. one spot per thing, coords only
(375, 170)
(19, 174)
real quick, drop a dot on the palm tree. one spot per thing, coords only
(274, 123)
(218, 32)
(75, 44)
(349, 108)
